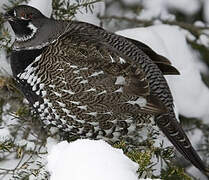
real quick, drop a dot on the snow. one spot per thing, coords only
(153, 9)
(203, 39)
(45, 6)
(187, 6)
(161, 7)
(4, 134)
(2, 2)
(88, 159)
(5, 69)
(206, 10)
(90, 17)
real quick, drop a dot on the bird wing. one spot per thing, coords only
(84, 65)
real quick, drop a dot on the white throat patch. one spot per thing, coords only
(26, 38)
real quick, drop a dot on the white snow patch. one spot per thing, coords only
(51, 142)
(206, 10)
(203, 39)
(90, 17)
(3, 2)
(45, 6)
(4, 134)
(88, 159)
(187, 6)
(5, 69)
(159, 8)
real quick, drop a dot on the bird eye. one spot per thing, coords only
(24, 15)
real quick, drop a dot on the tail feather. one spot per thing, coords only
(174, 132)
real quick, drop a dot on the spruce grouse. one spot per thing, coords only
(92, 83)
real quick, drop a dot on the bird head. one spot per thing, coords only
(25, 21)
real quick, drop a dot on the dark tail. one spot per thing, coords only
(174, 132)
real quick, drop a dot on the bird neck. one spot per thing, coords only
(31, 31)
(24, 30)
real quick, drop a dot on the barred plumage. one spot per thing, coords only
(92, 83)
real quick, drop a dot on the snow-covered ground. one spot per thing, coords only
(87, 159)
(79, 160)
